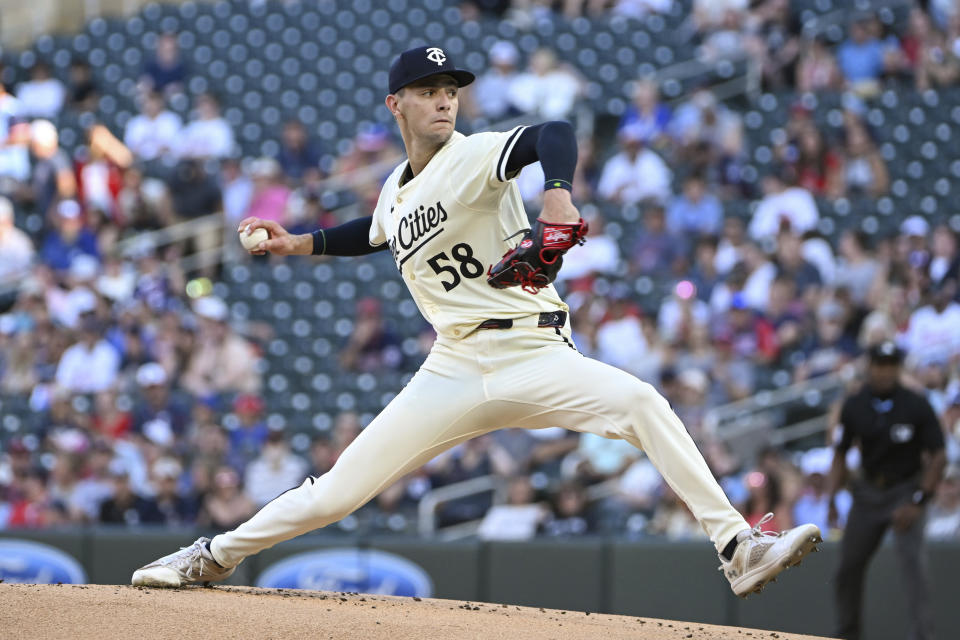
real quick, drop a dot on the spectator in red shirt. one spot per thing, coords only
(816, 166)
(109, 419)
(33, 508)
(101, 173)
(918, 30)
(749, 334)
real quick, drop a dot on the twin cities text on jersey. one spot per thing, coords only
(414, 226)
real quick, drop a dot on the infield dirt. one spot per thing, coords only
(108, 612)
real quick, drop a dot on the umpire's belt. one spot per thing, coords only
(546, 319)
(886, 481)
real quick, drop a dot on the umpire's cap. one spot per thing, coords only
(416, 64)
(886, 352)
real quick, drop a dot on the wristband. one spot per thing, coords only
(557, 183)
(319, 242)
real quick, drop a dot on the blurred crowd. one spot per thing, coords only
(148, 403)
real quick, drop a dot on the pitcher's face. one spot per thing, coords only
(428, 108)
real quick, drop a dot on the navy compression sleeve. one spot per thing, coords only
(554, 144)
(348, 239)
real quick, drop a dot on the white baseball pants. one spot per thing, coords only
(525, 377)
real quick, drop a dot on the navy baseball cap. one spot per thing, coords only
(419, 63)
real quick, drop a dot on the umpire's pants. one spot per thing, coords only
(869, 519)
(524, 377)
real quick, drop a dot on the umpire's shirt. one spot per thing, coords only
(892, 431)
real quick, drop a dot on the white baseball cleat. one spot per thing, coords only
(188, 566)
(760, 556)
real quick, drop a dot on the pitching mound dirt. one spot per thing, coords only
(107, 612)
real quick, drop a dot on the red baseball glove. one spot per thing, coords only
(535, 262)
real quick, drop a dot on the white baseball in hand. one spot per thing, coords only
(250, 239)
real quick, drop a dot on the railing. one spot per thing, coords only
(167, 235)
(741, 411)
(748, 424)
(431, 501)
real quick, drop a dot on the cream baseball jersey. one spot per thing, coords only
(451, 222)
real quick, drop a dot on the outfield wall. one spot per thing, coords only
(676, 581)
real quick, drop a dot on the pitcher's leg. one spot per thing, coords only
(430, 415)
(587, 395)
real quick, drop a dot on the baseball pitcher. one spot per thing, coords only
(452, 217)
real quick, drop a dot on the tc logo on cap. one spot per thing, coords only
(436, 54)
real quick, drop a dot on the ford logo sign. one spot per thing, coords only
(35, 563)
(359, 570)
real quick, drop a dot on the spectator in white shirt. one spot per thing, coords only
(491, 98)
(727, 41)
(14, 136)
(209, 135)
(752, 277)
(90, 365)
(154, 132)
(548, 90)
(41, 96)
(704, 120)
(602, 257)
(530, 182)
(516, 520)
(274, 471)
(634, 174)
(784, 206)
(681, 313)
(118, 280)
(944, 253)
(943, 521)
(933, 336)
(16, 249)
(95, 486)
(696, 210)
(640, 485)
(237, 190)
(620, 338)
(600, 458)
(762, 272)
(730, 248)
(222, 361)
(640, 9)
(708, 14)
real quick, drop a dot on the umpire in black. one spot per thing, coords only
(902, 460)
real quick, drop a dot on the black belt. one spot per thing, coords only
(883, 481)
(546, 319)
